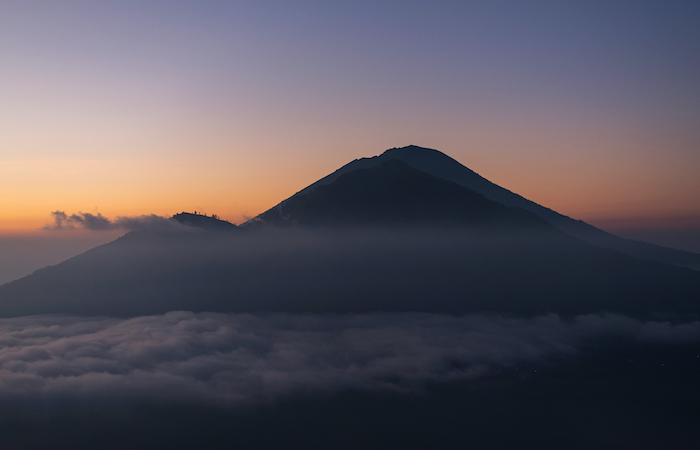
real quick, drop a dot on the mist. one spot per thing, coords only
(20, 255)
(456, 270)
(687, 238)
(69, 235)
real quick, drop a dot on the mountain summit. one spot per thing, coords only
(394, 193)
(439, 165)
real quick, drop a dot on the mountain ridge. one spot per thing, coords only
(210, 223)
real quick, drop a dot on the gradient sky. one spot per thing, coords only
(228, 107)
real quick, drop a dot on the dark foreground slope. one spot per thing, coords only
(390, 238)
(442, 166)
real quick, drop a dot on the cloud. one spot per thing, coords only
(149, 222)
(98, 222)
(92, 221)
(60, 221)
(242, 359)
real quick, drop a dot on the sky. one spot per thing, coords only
(153, 107)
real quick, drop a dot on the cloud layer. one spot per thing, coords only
(240, 359)
(98, 222)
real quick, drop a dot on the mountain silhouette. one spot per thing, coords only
(394, 193)
(385, 237)
(442, 166)
(210, 223)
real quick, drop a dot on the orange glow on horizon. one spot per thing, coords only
(237, 189)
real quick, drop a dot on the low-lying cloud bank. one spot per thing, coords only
(240, 358)
(98, 222)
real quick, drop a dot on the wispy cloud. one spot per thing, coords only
(91, 221)
(60, 221)
(98, 222)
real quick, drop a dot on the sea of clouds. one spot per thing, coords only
(237, 359)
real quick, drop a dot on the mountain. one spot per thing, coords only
(442, 166)
(388, 237)
(210, 223)
(394, 193)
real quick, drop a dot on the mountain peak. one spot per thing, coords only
(410, 148)
(440, 165)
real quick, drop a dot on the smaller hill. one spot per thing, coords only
(210, 223)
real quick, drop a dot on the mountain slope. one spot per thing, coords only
(440, 165)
